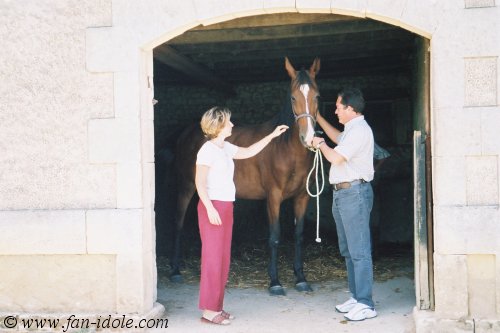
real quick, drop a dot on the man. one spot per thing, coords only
(350, 174)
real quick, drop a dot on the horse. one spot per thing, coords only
(277, 173)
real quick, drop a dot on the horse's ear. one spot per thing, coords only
(314, 70)
(289, 68)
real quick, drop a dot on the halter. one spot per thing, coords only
(304, 115)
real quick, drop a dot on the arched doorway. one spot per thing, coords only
(216, 64)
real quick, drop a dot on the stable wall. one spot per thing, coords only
(76, 131)
(181, 105)
(76, 216)
(465, 121)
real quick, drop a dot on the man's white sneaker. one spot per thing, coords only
(346, 306)
(359, 312)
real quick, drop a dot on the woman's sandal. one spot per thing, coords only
(227, 315)
(218, 319)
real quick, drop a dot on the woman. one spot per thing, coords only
(215, 186)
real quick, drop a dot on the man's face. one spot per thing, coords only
(344, 113)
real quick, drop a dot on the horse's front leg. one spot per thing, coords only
(273, 210)
(300, 206)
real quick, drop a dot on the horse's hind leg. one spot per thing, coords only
(300, 205)
(183, 198)
(273, 208)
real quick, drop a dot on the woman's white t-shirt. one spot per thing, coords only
(220, 183)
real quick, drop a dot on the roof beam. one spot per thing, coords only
(349, 51)
(172, 58)
(279, 32)
(334, 41)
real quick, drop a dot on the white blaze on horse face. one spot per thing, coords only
(304, 88)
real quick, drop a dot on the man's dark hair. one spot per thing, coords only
(353, 97)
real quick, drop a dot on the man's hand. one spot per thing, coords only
(317, 142)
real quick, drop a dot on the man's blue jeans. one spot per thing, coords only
(351, 210)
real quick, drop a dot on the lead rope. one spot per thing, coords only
(318, 162)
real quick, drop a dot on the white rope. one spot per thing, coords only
(318, 161)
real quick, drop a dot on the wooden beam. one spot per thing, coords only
(173, 59)
(279, 32)
(261, 75)
(348, 51)
(348, 61)
(232, 49)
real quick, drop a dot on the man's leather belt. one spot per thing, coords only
(344, 185)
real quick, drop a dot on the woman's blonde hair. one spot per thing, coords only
(213, 121)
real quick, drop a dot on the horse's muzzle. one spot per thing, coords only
(305, 143)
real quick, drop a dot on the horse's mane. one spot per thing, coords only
(286, 116)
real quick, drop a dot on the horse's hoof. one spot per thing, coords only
(303, 286)
(277, 291)
(177, 278)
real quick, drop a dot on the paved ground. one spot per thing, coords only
(256, 311)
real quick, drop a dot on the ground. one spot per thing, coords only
(256, 311)
(247, 297)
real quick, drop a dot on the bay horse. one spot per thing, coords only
(277, 173)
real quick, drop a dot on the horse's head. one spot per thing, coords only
(304, 95)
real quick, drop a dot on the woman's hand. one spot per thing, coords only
(213, 216)
(279, 130)
(201, 186)
(259, 145)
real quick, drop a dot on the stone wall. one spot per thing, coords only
(47, 100)
(76, 227)
(464, 82)
(179, 106)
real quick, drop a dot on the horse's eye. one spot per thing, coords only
(293, 99)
